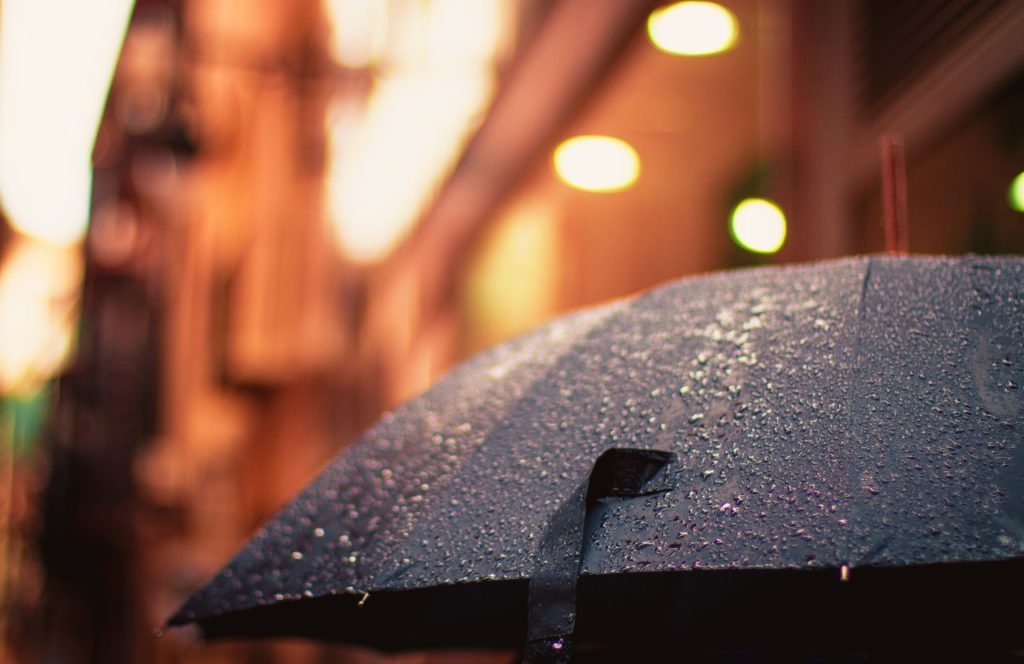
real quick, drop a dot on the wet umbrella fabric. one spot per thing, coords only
(862, 415)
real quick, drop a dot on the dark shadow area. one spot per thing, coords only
(924, 613)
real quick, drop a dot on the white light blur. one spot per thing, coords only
(359, 30)
(38, 299)
(390, 152)
(57, 58)
(692, 28)
(597, 163)
(758, 225)
(465, 32)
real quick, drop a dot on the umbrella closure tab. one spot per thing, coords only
(617, 473)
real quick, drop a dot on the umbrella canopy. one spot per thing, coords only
(785, 430)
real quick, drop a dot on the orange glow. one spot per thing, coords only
(597, 163)
(56, 62)
(512, 285)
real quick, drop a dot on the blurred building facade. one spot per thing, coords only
(305, 211)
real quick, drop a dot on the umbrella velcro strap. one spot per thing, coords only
(629, 472)
(617, 473)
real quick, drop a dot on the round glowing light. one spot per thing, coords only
(692, 28)
(597, 163)
(1016, 193)
(758, 225)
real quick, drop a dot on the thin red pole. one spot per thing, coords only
(894, 194)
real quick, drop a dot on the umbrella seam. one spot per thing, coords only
(857, 384)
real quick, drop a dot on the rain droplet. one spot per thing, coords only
(297, 555)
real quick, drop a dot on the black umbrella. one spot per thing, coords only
(821, 456)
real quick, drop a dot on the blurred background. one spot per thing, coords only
(237, 231)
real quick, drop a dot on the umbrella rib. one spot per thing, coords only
(857, 384)
(856, 387)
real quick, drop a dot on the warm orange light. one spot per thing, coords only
(597, 163)
(513, 279)
(693, 28)
(56, 62)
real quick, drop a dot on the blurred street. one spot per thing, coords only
(235, 233)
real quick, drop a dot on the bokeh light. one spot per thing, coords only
(1016, 193)
(56, 62)
(389, 153)
(758, 225)
(693, 28)
(38, 288)
(358, 31)
(597, 163)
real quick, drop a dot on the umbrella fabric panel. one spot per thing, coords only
(898, 444)
(938, 422)
(726, 371)
(758, 428)
(857, 412)
(339, 533)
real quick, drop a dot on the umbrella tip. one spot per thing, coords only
(894, 194)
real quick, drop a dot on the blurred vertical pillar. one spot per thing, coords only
(250, 323)
(95, 607)
(821, 37)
